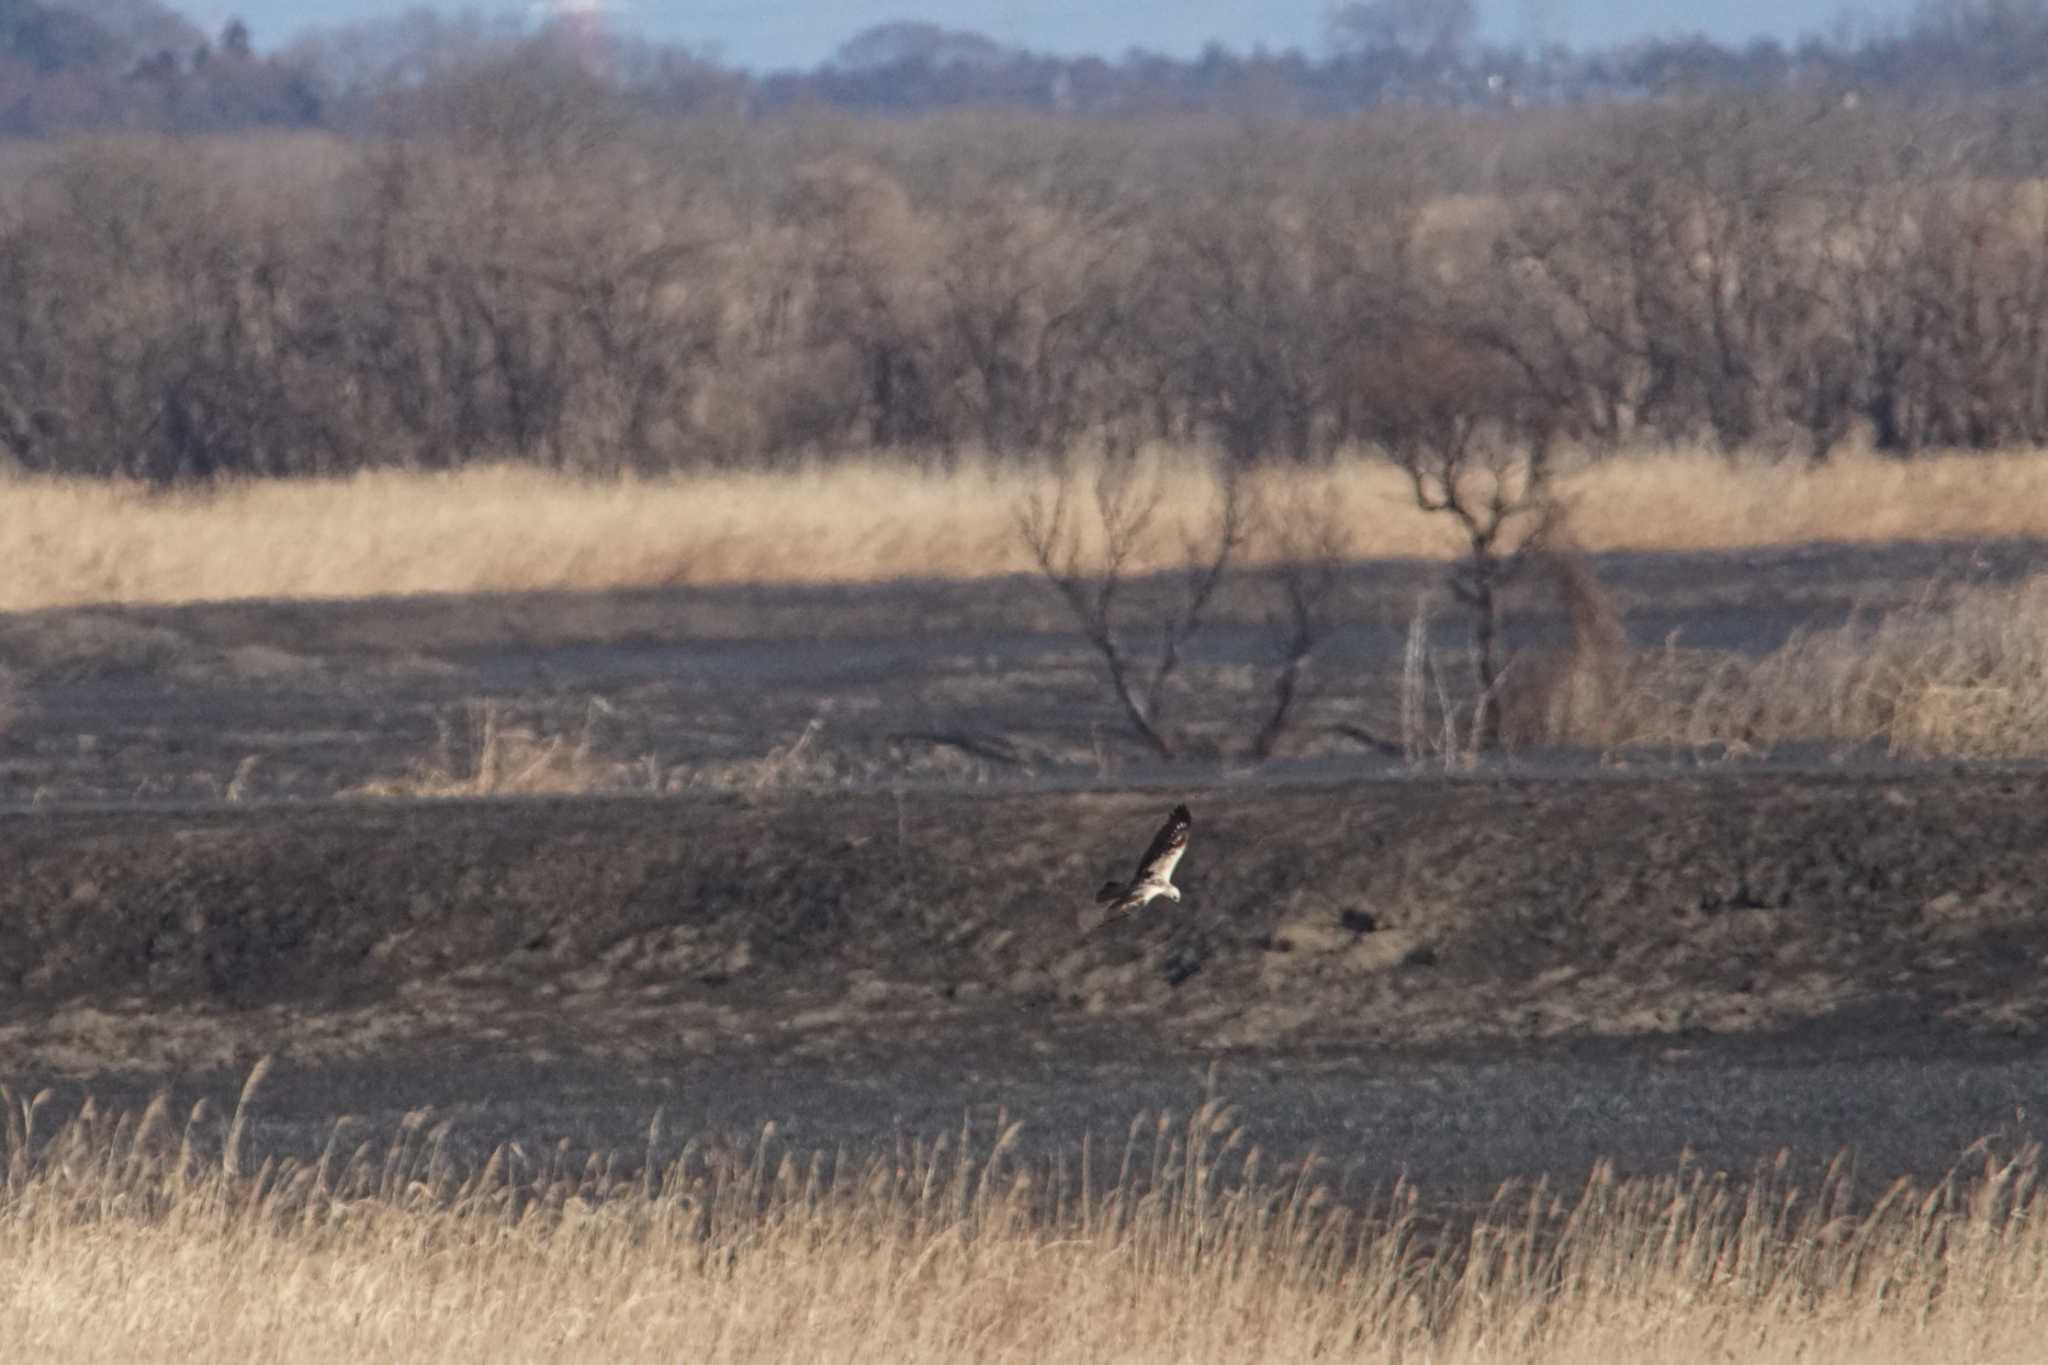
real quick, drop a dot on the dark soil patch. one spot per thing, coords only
(1422, 913)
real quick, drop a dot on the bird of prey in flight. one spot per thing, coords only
(1155, 870)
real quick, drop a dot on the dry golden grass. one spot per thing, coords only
(480, 752)
(161, 1239)
(483, 750)
(509, 529)
(1961, 674)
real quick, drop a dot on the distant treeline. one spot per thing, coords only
(97, 64)
(523, 265)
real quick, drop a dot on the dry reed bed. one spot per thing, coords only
(162, 1236)
(1957, 675)
(509, 529)
(1961, 673)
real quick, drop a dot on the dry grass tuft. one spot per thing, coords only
(479, 752)
(1573, 695)
(511, 529)
(483, 749)
(126, 1233)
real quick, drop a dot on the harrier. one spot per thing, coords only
(1155, 869)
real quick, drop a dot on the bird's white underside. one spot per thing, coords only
(1139, 896)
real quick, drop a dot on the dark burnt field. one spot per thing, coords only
(892, 686)
(1459, 980)
(850, 910)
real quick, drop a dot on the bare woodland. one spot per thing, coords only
(525, 268)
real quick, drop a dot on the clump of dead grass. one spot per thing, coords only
(1184, 1242)
(508, 529)
(481, 751)
(484, 748)
(1575, 694)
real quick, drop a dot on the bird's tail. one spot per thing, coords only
(1109, 892)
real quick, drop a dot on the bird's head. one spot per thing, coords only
(1173, 893)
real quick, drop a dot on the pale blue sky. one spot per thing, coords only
(777, 33)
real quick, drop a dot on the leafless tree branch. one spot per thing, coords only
(1125, 510)
(1475, 446)
(1314, 544)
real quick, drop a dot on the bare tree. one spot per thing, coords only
(147, 331)
(1260, 292)
(1476, 448)
(1313, 544)
(1672, 278)
(867, 303)
(1125, 511)
(1028, 276)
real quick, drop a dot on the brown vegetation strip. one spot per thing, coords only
(513, 529)
(163, 1232)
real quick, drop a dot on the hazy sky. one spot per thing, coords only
(773, 33)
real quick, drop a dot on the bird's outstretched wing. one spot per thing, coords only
(1167, 846)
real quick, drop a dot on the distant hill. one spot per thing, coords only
(138, 63)
(48, 41)
(68, 36)
(72, 64)
(138, 28)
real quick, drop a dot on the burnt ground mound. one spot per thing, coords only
(1461, 979)
(1391, 914)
